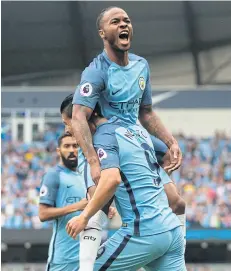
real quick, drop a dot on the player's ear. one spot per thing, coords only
(58, 151)
(101, 34)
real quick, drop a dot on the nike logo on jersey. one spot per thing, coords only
(114, 92)
(68, 186)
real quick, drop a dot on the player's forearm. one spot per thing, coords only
(105, 190)
(152, 123)
(84, 138)
(50, 213)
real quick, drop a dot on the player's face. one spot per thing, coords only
(117, 29)
(67, 123)
(68, 152)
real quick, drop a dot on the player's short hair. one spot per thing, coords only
(60, 139)
(100, 17)
(67, 106)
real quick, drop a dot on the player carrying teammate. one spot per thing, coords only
(175, 201)
(150, 234)
(120, 82)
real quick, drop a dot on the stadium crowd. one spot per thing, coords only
(204, 180)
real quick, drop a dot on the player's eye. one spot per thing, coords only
(66, 146)
(114, 22)
(75, 146)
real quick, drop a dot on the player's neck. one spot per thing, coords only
(99, 121)
(119, 57)
(62, 164)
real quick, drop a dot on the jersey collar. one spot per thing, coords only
(116, 65)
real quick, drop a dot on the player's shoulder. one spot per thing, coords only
(98, 66)
(134, 57)
(54, 171)
(52, 176)
(105, 133)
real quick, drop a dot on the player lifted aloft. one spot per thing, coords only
(150, 233)
(120, 82)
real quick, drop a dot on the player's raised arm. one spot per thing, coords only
(152, 123)
(84, 101)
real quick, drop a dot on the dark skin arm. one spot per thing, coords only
(152, 123)
(82, 133)
(47, 212)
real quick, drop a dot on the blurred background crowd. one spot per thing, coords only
(204, 179)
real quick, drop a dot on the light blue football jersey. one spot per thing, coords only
(140, 198)
(62, 187)
(160, 151)
(84, 169)
(120, 90)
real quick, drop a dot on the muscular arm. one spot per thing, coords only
(82, 132)
(105, 190)
(152, 123)
(47, 212)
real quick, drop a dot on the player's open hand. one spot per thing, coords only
(76, 225)
(175, 158)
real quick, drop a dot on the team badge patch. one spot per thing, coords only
(43, 190)
(86, 89)
(101, 154)
(142, 83)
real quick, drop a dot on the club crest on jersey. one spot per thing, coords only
(86, 89)
(101, 154)
(43, 190)
(142, 83)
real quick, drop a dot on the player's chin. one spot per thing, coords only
(124, 46)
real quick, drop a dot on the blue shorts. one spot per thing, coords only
(63, 267)
(164, 177)
(122, 252)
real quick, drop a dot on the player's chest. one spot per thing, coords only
(125, 84)
(71, 190)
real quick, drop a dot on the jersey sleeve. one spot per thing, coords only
(160, 149)
(107, 149)
(108, 157)
(147, 95)
(88, 91)
(49, 188)
(87, 175)
(164, 177)
(81, 161)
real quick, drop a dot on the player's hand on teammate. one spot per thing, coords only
(95, 171)
(175, 158)
(112, 212)
(76, 225)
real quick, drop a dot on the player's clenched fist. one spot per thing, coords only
(76, 225)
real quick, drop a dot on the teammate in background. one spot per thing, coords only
(150, 234)
(120, 83)
(62, 196)
(176, 203)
